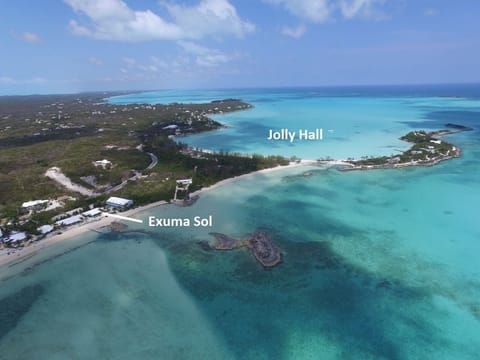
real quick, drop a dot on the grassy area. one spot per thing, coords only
(73, 131)
(160, 183)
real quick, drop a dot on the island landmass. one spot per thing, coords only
(64, 156)
(428, 149)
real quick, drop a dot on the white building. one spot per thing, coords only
(45, 229)
(182, 185)
(16, 237)
(103, 163)
(92, 213)
(34, 205)
(184, 182)
(119, 203)
(69, 221)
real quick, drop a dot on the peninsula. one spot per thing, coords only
(427, 149)
(68, 158)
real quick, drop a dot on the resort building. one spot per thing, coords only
(16, 237)
(69, 221)
(92, 213)
(119, 203)
(34, 205)
(45, 229)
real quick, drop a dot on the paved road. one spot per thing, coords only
(154, 161)
(137, 175)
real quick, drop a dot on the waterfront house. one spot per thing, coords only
(69, 221)
(16, 237)
(92, 213)
(119, 203)
(45, 229)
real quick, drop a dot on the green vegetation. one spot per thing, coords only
(176, 161)
(73, 131)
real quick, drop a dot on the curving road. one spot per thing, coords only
(154, 161)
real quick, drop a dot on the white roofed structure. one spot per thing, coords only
(45, 229)
(92, 213)
(182, 185)
(17, 236)
(103, 163)
(184, 182)
(69, 221)
(118, 202)
(34, 204)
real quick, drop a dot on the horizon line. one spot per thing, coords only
(131, 91)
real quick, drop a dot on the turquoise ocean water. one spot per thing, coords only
(378, 264)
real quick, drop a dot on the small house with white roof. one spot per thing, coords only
(45, 229)
(105, 164)
(34, 205)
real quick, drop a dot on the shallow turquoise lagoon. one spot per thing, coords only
(356, 122)
(377, 265)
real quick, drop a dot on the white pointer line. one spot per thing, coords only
(123, 218)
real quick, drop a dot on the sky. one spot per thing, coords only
(60, 46)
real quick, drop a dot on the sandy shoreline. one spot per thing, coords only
(264, 171)
(95, 225)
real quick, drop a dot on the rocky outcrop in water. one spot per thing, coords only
(260, 243)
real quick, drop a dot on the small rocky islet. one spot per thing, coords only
(260, 243)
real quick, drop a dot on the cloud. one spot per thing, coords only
(159, 63)
(362, 8)
(431, 12)
(294, 32)
(204, 56)
(317, 11)
(95, 61)
(114, 20)
(30, 37)
(321, 11)
(12, 81)
(129, 61)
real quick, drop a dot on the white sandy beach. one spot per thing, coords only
(31, 250)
